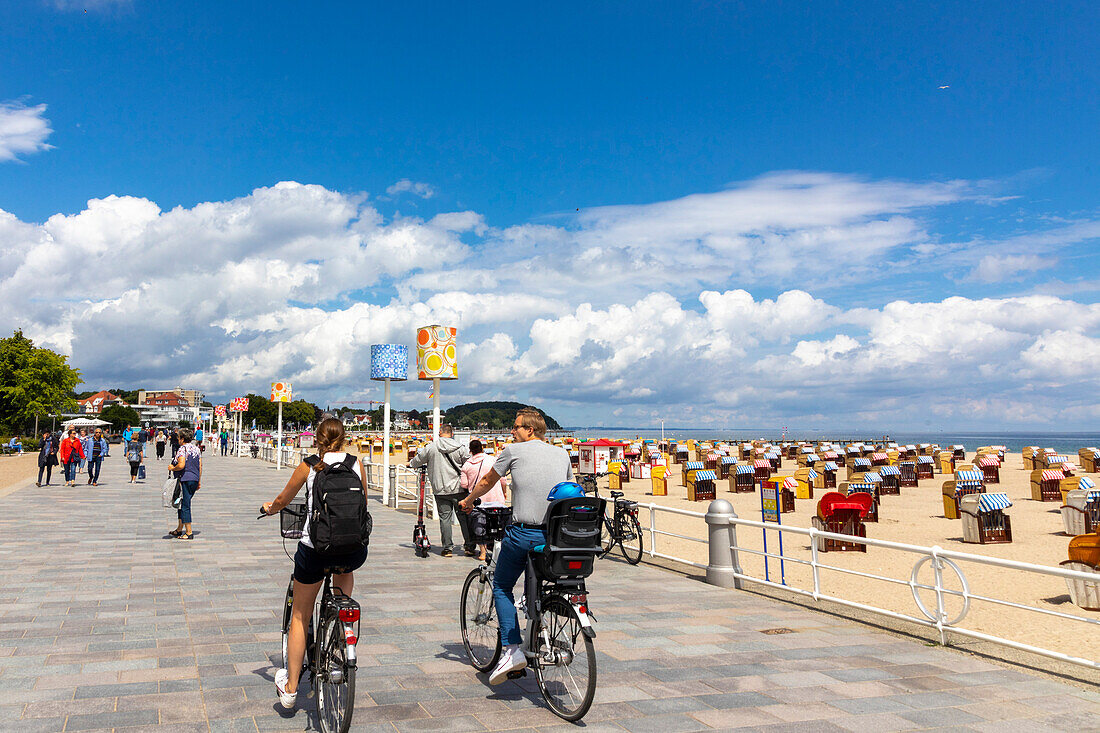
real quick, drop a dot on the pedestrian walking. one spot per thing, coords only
(162, 440)
(199, 437)
(85, 442)
(472, 470)
(223, 438)
(174, 442)
(135, 456)
(444, 458)
(188, 467)
(98, 449)
(71, 451)
(47, 456)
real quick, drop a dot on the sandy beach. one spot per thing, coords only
(15, 469)
(914, 517)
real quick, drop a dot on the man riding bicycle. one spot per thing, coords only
(310, 565)
(536, 467)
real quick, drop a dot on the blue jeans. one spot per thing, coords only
(511, 561)
(94, 465)
(71, 469)
(187, 490)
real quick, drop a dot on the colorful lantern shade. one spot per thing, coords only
(280, 391)
(436, 356)
(219, 411)
(239, 404)
(389, 361)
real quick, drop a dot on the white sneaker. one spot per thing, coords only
(511, 660)
(286, 699)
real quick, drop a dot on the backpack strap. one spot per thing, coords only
(451, 460)
(312, 461)
(350, 461)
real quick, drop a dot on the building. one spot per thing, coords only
(166, 399)
(94, 404)
(192, 397)
(169, 406)
(596, 454)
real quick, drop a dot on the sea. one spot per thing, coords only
(1067, 443)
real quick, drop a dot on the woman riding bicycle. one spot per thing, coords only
(536, 467)
(309, 565)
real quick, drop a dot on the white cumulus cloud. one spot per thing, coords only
(718, 308)
(23, 130)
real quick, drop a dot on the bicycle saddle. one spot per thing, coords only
(616, 494)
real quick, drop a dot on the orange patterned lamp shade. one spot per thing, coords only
(280, 392)
(436, 357)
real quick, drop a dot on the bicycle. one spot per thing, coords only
(331, 664)
(557, 638)
(622, 527)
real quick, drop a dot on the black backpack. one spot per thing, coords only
(339, 521)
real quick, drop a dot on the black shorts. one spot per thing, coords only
(310, 565)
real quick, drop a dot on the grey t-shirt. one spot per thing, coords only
(536, 467)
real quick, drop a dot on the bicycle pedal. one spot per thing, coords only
(517, 674)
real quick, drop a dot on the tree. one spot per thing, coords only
(33, 381)
(299, 412)
(260, 409)
(118, 416)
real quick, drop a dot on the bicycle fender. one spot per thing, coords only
(586, 622)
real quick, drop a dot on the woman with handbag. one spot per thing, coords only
(476, 466)
(135, 456)
(188, 467)
(47, 456)
(72, 453)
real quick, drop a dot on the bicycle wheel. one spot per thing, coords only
(630, 540)
(607, 539)
(335, 680)
(566, 667)
(287, 605)
(478, 618)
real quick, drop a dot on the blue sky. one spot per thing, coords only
(600, 154)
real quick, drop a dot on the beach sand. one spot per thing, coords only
(15, 469)
(915, 517)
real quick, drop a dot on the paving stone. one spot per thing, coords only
(94, 721)
(135, 626)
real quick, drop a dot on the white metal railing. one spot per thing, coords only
(405, 482)
(939, 558)
(404, 486)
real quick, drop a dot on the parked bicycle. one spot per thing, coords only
(557, 639)
(622, 527)
(331, 637)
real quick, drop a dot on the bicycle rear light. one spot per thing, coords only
(350, 637)
(575, 564)
(349, 615)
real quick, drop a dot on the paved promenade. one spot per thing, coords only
(104, 624)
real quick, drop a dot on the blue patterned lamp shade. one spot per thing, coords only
(389, 361)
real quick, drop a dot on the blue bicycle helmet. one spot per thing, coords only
(565, 490)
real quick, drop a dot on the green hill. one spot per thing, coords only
(490, 415)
